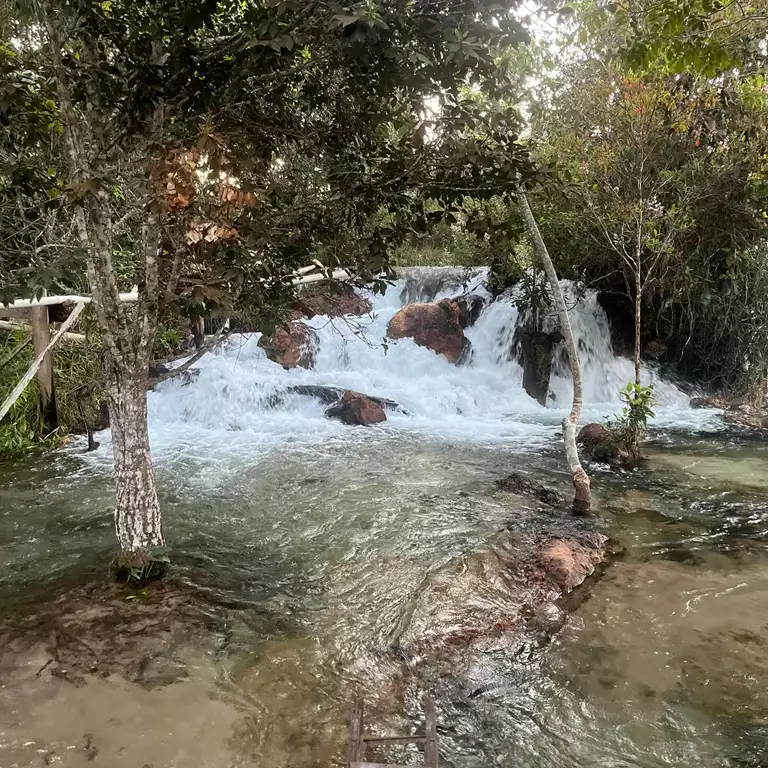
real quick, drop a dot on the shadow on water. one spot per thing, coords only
(290, 583)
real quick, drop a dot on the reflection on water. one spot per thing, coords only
(315, 556)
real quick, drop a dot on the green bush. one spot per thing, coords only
(631, 425)
(21, 427)
(76, 365)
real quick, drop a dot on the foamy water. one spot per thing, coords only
(238, 403)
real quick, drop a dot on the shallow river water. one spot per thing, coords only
(314, 543)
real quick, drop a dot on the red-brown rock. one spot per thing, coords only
(495, 588)
(592, 434)
(291, 347)
(568, 562)
(601, 445)
(434, 326)
(356, 409)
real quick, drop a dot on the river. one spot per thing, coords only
(313, 542)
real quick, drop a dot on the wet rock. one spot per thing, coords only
(568, 562)
(537, 350)
(745, 415)
(497, 589)
(737, 413)
(592, 434)
(332, 395)
(356, 409)
(471, 306)
(654, 350)
(600, 445)
(525, 486)
(326, 395)
(291, 347)
(620, 311)
(158, 369)
(434, 326)
(709, 402)
(102, 420)
(331, 300)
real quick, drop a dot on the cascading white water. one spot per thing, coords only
(239, 397)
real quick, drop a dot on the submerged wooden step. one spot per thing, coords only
(359, 743)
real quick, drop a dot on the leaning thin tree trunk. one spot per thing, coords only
(137, 510)
(638, 310)
(581, 484)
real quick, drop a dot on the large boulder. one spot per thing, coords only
(537, 348)
(291, 347)
(356, 409)
(522, 485)
(471, 306)
(434, 326)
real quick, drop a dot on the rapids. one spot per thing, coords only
(229, 409)
(312, 544)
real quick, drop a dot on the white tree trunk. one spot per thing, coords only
(581, 483)
(638, 319)
(137, 510)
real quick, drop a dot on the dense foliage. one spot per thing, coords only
(651, 121)
(630, 426)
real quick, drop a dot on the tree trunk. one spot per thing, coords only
(582, 499)
(638, 310)
(127, 334)
(137, 510)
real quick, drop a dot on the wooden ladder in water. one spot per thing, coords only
(359, 743)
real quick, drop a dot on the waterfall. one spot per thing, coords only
(239, 397)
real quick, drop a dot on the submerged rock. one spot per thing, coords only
(567, 562)
(356, 409)
(497, 589)
(109, 629)
(332, 395)
(525, 486)
(434, 326)
(291, 347)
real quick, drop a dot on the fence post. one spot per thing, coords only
(41, 336)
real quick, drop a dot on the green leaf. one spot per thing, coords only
(159, 555)
(345, 20)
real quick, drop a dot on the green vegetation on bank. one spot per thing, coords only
(77, 365)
